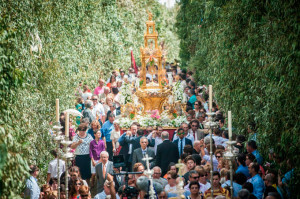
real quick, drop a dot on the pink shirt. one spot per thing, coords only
(99, 90)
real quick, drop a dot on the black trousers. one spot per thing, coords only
(109, 150)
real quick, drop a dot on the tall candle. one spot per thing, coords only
(67, 125)
(229, 125)
(210, 98)
(57, 109)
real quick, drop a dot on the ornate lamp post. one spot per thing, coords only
(210, 124)
(67, 150)
(58, 138)
(229, 153)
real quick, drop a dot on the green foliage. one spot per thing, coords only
(249, 51)
(79, 40)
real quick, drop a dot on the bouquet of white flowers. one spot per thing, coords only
(178, 121)
(125, 94)
(178, 91)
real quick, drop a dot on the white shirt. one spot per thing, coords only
(84, 147)
(104, 165)
(115, 135)
(204, 187)
(215, 161)
(158, 141)
(119, 78)
(218, 140)
(98, 110)
(86, 95)
(168, 188)
(52, 168)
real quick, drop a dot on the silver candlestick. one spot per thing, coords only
(211, 125)
(67, 156)
(230, 155)
(58, 138)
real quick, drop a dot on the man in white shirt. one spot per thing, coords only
(52, 168)
(204, 185)
(193, 177)
(155, 138)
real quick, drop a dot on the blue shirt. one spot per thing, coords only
(106, 130)
(244, 170)
(32, 188)
(236, 187)
(258, 186)
(91, 132)
(102, 195)
(286, 179)
(179, 145)
(258, 157)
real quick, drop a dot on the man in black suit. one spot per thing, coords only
(102, 170)
(135, 141)
(182, 141)
(166, 152)
(139, 154)
(126, 149)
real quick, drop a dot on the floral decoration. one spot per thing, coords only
(178, 91)
(147, 120)
(125, 94)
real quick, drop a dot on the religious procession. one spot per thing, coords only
(156, 128)
(153, 132)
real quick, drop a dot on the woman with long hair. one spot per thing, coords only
(112, 82)
(74, 190)
(74, 174)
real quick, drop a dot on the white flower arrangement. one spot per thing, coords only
(125, 94)
(144, 121)
(125, 122)
(178, 121)
(178, 91)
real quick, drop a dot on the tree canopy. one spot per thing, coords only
(46, 48)
(249, 51)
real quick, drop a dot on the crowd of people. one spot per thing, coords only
(104, 154)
